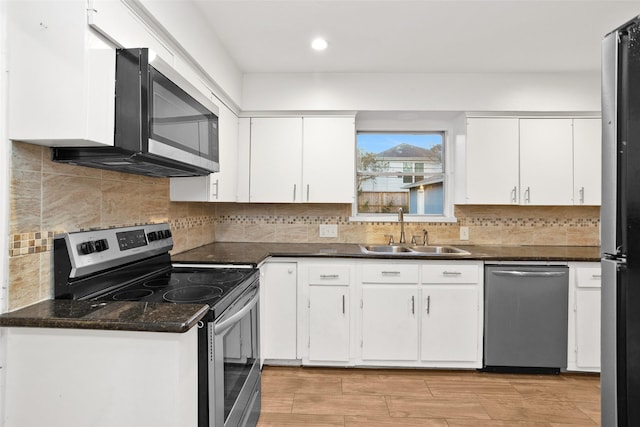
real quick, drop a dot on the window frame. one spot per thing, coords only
(448, 182)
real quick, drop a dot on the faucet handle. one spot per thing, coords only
(414, 239)
(391, 242)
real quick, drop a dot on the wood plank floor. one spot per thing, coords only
(295, 396)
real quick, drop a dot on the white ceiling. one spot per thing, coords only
(416, 36)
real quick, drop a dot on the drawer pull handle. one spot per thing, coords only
(390, 273)
(596, 276)
(329, 276)
(451, 273)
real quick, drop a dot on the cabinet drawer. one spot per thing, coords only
(588, 277)
(450, 273)
(329, 275)
(389, 273)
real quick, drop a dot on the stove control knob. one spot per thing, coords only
(101, 245)
(87, 248)
(152, 236)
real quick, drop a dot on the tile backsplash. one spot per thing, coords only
(488, 225)
(48, 198)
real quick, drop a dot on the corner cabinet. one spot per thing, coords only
(533, 161)
(278, 316)
(302, 160)
(584, 317)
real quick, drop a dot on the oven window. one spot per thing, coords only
(180, 121)
(240, 354)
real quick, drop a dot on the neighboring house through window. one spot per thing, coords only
(400, 169)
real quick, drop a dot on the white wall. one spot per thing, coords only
(422, 92)
(187, 26)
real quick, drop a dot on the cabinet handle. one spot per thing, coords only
(390, 273)
(329, 276)
(428, 303)
(527, 195)
(342, 304)
(596, 276)
(307, 192)
(413, 304)
(582, 195)
(217, 184)
(294, 192)
(514, 194)
(451, 273)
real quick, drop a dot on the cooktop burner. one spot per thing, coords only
(132, 294)
(197, 293)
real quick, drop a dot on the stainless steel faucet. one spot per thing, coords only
(401, 220)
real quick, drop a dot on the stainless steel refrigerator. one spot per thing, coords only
(620, 227)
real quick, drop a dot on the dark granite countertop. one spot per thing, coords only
(255, 253)
(164, 317)
(116, 315)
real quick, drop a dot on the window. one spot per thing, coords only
(400, 169)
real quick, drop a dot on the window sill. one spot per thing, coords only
(393, 217)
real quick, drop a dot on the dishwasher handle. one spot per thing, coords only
(517, 273)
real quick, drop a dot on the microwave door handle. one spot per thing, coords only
(223, 326)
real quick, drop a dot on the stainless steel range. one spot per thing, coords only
(133, 264)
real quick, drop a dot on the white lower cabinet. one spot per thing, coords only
(450, 322)
(421, 314)
(278, 316)
(332, 312)
(326, 320)
(584, 317)
(389, 322)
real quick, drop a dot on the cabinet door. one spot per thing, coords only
(450, 323)
(276, 160)
(587, 159)
(278, 311)
(492, 161)
(328, 166)
(588, 328)
(546, 159)
(389, 322)
(329, 323)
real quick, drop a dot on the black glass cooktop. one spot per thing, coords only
(181, 285)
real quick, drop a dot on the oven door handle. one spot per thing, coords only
(226, 324)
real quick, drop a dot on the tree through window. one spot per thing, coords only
(400, 169)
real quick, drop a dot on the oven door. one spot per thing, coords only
(234, 368)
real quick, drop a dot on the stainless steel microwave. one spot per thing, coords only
(164, 126)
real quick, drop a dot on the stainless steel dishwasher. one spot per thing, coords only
(526, 310)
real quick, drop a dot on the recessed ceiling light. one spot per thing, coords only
(319, 44)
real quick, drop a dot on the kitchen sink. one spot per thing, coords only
(385, 249)
(412, 250)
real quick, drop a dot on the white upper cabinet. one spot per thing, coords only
(533, 161)
(61, 76)
(276, 152)
(587, 161)
(295, 159)
(220, 186)
(328, 159)
(492, 161)
(546, 158)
